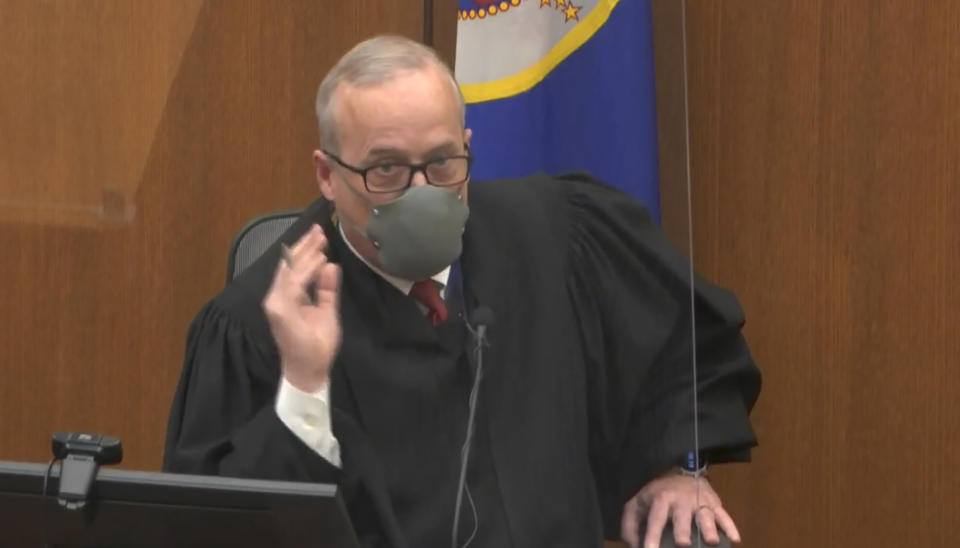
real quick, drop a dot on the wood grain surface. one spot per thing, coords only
(138, 137)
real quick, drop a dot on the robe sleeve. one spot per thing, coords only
(631, 292)
(222, 421)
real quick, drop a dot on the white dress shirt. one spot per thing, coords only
(307, 414)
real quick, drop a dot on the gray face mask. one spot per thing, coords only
(420, 233)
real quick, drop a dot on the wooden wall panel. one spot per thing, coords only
(824, 161)
(444, 35)
(668, 50)
(95, 310)
(84, 87)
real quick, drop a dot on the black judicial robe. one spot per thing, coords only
(587, 390)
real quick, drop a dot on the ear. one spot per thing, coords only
(324, 173)
(467, 134)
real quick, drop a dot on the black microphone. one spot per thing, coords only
(480, 320)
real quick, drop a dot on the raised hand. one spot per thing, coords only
(305, 327)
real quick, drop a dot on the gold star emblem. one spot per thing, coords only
(544, 3)
(560, 4)
(571, 12)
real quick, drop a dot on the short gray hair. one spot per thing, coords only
(372, 62)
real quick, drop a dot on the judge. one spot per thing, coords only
(348, 352)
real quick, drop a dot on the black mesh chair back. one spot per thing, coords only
(255, 237)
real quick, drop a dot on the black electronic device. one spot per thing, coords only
(131, 508)
(81, 455)
(667, 540)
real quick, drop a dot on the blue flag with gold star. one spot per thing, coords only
(561, 85)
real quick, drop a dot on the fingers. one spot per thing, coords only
(312, 241)
(682, 518)
(303, 271)
(302, 263)
(726, 523)
(630, 524)
(300, 267)
(681, 500)
(269, 301)
(706, 523)
(656, 520)
(328, 285)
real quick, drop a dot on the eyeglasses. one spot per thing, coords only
(388, 177)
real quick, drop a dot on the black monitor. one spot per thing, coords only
(127, 508)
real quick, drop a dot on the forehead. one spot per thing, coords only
(412, 109)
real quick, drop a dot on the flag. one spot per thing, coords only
(561, 85)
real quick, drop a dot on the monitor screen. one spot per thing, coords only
(158, 509)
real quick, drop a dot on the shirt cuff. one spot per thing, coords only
(307, 415)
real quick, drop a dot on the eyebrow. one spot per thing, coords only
(380, 152)
(377, 152)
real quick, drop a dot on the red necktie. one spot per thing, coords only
(428, 294)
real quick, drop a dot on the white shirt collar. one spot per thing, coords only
(401, 284)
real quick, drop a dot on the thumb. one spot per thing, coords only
(630, 525)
